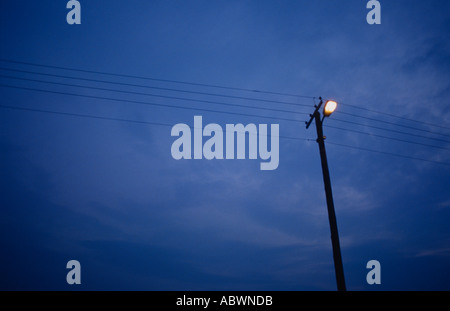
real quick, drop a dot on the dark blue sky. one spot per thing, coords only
(110, 195)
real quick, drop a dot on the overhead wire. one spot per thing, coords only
(156, 79)
(154, 95)
(159, 88)
(214, 86)
(216, 111)
(89, 116)
(80, 115)
(390, 123)
(148, 103)
(388, 153)
(217, 103)
(386, 137)
(389, 129)
(395, 116)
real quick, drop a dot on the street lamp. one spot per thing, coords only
(328, 109)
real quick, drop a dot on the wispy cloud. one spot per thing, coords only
(230, 224)
(434, 252)
(354, 199)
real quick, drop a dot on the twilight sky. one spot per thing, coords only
(109, 194)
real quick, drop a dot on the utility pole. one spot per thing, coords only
(330, 106)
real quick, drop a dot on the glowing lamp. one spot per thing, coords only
(329, 108)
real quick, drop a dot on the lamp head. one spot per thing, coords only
(329, 108)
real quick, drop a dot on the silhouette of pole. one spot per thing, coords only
(338, 267)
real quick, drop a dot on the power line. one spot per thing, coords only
(170, 125)
(89, 116)
(148, 103)
(83, 115)
(215, 86)
(388, 153)
(211, 102)
(392, 130)
(391, 123)
(155, 79)
(155, 95)
(158, 88)
(210, 110)
(214, 102)
(386, 137)
(395, 116)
